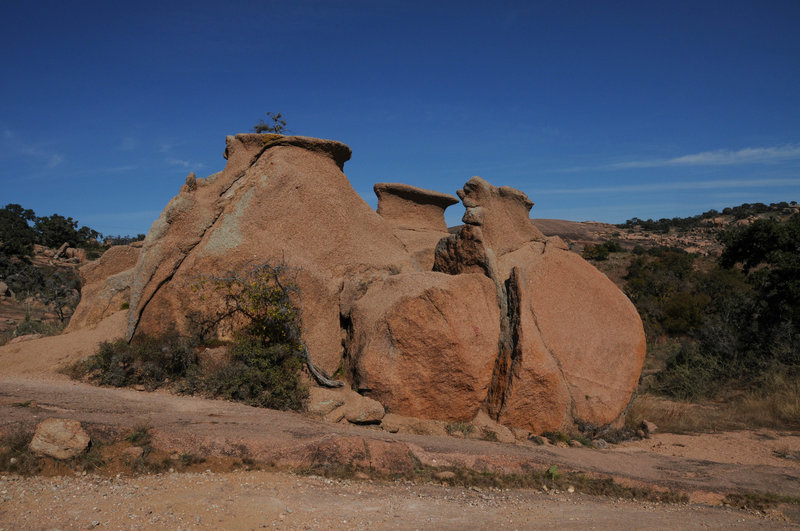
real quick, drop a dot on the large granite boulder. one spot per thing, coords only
(571, 344)
(278, 200)
(424, 344)
(579, 345)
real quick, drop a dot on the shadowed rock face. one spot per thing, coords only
(495, 317)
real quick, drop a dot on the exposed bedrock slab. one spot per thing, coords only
(424, 344)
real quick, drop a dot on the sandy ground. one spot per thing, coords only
(253, 500)
(706, 466)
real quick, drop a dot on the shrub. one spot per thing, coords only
(260, 375)
(595, 252)
(15, 455)
(267, 354)
(146, 361)
(690, 375)
(464, 428)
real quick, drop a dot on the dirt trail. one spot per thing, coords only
(253, 500)
(707, 466)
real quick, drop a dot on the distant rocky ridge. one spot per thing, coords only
(701, 238)
(494, 318)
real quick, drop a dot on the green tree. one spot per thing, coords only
(16, 234)
(55, 230)
(769, 252)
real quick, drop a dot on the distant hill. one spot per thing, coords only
(695, 234)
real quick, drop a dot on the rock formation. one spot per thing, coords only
(495, 319)
(424, 344)
(278, 199)
(416, 216)
(105, 285)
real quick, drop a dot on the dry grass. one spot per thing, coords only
(779, 406)
(759, 501)
(776, 405)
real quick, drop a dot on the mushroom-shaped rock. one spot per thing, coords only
(417, 217)
(502, 213)
(424, 344)
(409, 207)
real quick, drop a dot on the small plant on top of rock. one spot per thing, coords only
(276, 125)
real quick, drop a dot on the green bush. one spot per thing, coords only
(265, 357)
(146, 361)
(259, 375)
(690, 375)
(595, 252)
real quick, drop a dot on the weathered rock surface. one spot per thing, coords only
(24, 338)
(278, 199)
(590, 345)
(416, 216)
(487, 426)
(424, 344)
(105, 286)
(60, 438)
(502, 213)
(493, 323)
(571, 344)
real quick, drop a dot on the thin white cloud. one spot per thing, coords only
(720, 157)
(51, 160)
(54, 160)
(671, 186)
(15, 147)
(183, 163)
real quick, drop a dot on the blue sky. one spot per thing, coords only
(597, 110)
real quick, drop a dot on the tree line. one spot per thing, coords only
(745, 210)
(736, 320)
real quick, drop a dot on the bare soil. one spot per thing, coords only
(226, 435)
